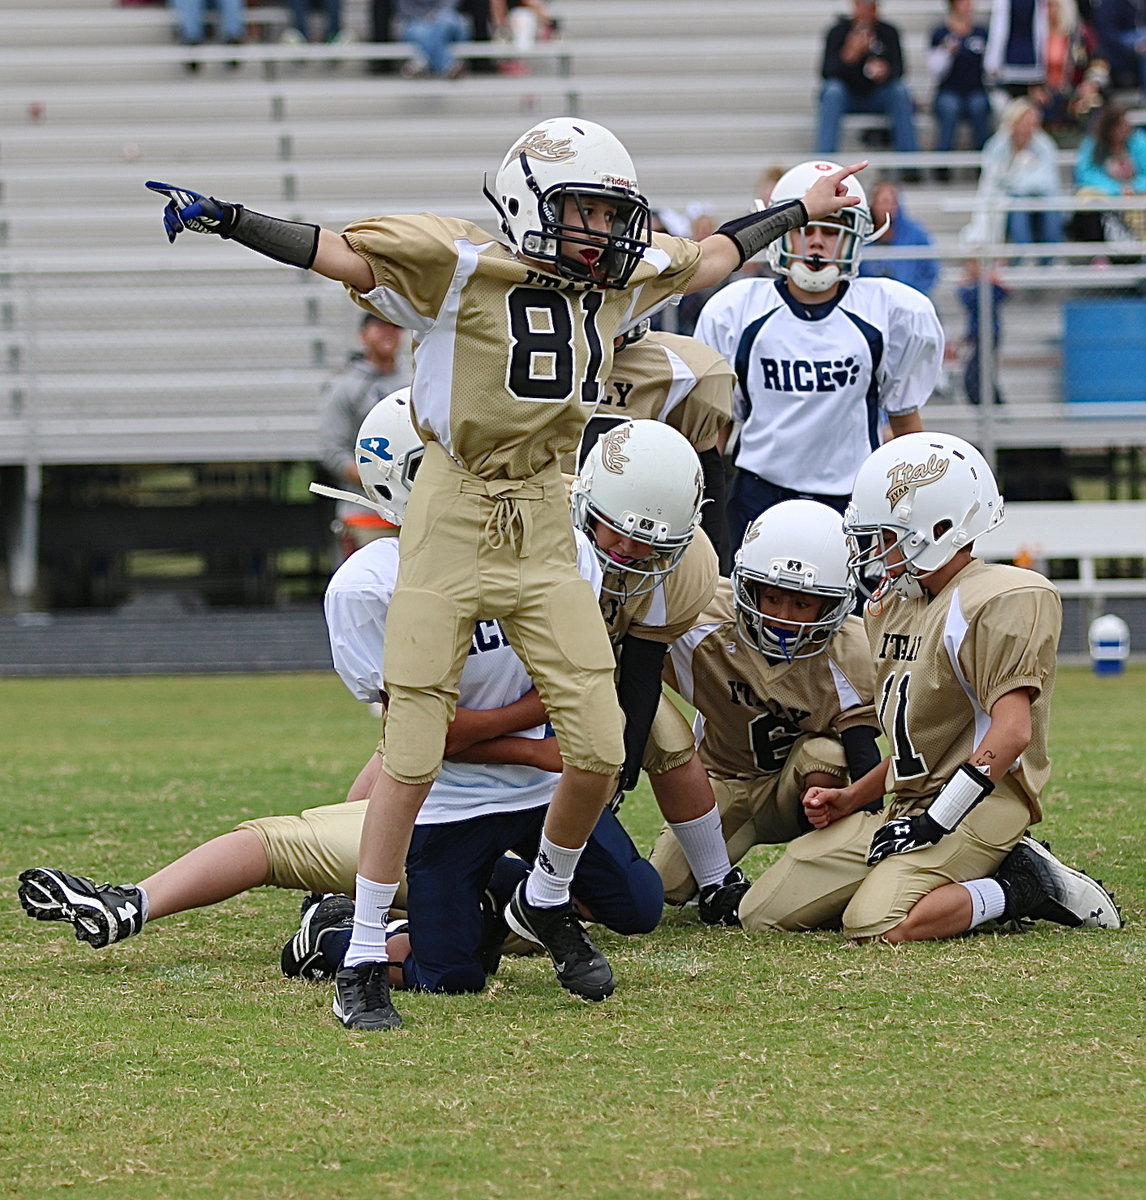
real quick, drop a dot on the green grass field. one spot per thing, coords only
(181, 1064)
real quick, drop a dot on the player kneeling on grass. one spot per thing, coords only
(965, 656)
(781, 677)
(490, 798)
(514, 337)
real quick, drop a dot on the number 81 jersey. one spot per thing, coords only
(509, 359)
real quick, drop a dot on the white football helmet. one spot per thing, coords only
(850, 227)
(642, 480)
(388, 453)
(934, 493)
(567, 158)
(798, 545)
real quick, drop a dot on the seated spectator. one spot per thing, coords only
(887, 213)
(1111, 162)
(1114, 23)
(1015, 58)
(1019, 162)
(863, 73)
(1070, 46)
(190, 17)
(432, 26)
(968, 293)
(956, 65)
(300, 10)
(1120, 29)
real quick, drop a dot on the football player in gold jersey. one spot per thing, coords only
(668, 377)
(512, 340)
(781, 677)
(965, 655)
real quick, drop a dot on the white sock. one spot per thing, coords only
(371, 908)
(702, 841)
(547, 885)
(145, 903)
(987, 900)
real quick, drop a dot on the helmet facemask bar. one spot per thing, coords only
(619, 249)
(869, 556)
(643, 575)
(787, 639)
(818, 272)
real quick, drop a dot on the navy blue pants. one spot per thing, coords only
(750, 495)
(450, 866)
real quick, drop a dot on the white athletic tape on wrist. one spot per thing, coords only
(966, 787)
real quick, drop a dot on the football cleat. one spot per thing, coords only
(719, 903)
(362, 997)
(494, 931)
(316, 950)
(99, 913)
(1041, 888)
(581, 968)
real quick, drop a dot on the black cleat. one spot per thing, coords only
(719, 903)
(581, 968)
(100, 913)
(362, 997)
(1041, 888)
(494, 931)
(316, 951)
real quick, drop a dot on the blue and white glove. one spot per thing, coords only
(966, 788)
(198, 213)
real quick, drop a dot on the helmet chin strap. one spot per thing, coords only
(810, 280)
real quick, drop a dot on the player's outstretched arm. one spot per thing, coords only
(738, 240)
(295, 243)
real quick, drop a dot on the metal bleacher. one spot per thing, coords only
(118, 348)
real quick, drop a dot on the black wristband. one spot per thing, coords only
(290, 242)
(754, 231)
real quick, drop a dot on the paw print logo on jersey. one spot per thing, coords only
(613, 456)
(553, 150)
(845, 371)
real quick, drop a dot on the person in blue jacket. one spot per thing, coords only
(887, 211)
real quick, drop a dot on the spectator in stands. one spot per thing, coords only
(888, 214)
(190, 16)
(376, 371)
(1015, 58)
(1111, 162)
(300, 10)
(431, 26)
(863, 73)
(1114, 23)
(1070, 46)
(1020, 161)
(967, 291)
(956, 65)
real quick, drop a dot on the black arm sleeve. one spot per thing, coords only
(639, 693)
(755, 230)
(863, 754)
(712, 514)
(290, 242)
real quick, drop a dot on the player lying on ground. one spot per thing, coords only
(457, 878)
(513, 340)
(965, 657)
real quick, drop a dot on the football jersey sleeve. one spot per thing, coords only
(853, 672)
(914, 356)
(1015, 643)
(682, 597)
(414, 257)
(699, 403)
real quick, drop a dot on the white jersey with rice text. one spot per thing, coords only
(813, 380)
(356, 605)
